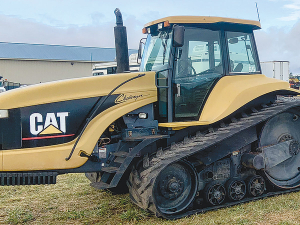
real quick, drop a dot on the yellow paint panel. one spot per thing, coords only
(230, 94)
(204, 19)
(51, 130)
(53, 157)
(78, 88)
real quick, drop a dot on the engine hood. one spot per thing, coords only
(78, 88)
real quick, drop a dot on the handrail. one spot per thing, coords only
(166, 78)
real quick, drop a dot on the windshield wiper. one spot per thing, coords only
(164, 37)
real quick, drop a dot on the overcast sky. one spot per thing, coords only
(91, 22)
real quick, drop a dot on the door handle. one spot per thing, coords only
(178, 90)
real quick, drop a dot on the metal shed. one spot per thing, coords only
(36, 63)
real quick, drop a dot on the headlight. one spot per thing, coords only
(143, 115)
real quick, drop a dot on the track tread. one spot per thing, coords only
(142, 196)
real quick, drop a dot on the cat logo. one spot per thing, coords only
(50, 125)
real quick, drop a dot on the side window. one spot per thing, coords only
(241, 54)
(198, 54)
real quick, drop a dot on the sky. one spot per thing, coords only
(90, 22)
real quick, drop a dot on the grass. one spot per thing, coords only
(73, 201)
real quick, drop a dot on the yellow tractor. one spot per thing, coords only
(198, 128)
(294, 82)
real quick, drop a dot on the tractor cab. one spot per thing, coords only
(191, 54)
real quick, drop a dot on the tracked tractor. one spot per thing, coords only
(198, 128)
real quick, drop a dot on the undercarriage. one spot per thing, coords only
(250, 156)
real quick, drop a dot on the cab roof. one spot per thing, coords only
(254, 25)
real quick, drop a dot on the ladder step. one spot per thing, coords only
(120, 154)
(110, 169)
(119, 160)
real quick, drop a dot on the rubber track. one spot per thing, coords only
(140, 184)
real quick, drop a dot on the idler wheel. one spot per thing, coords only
(284, 127)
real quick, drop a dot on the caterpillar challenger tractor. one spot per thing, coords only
(198, 128)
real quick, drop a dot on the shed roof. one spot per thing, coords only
(57, 52)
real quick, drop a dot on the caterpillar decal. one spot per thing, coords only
(50, 125)
(42, 127)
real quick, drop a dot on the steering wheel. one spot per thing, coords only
(183, 67)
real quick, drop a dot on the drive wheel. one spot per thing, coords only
(282, 130)
(236, 189)
(166, 191)
(215, 193)
(175, 188)
(256, 186)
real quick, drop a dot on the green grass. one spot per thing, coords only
(73, 201)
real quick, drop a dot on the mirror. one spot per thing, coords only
(141, 48)
(233, 40)
(178, 36)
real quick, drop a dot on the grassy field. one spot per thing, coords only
(73, 201)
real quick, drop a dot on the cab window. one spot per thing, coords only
(241, 53)
(198, 67)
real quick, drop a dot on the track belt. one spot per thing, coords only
(199, 143)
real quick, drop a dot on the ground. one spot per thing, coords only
(73, 201)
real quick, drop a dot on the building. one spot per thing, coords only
(111, 67)
(38, 63)
(276, 69)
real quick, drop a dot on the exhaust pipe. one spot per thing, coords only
(121, 44)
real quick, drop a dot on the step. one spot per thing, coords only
(120, 154)
(119, 159)
(110, 169)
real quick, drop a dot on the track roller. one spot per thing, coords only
(236, 189)
(256, 186)
(215, 193)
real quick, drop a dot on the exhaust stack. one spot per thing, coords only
(121, 43)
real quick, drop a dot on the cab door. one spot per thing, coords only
(198, 67)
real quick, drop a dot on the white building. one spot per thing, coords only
(276, 69)
(38, 63)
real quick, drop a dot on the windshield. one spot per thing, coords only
(156, 51)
